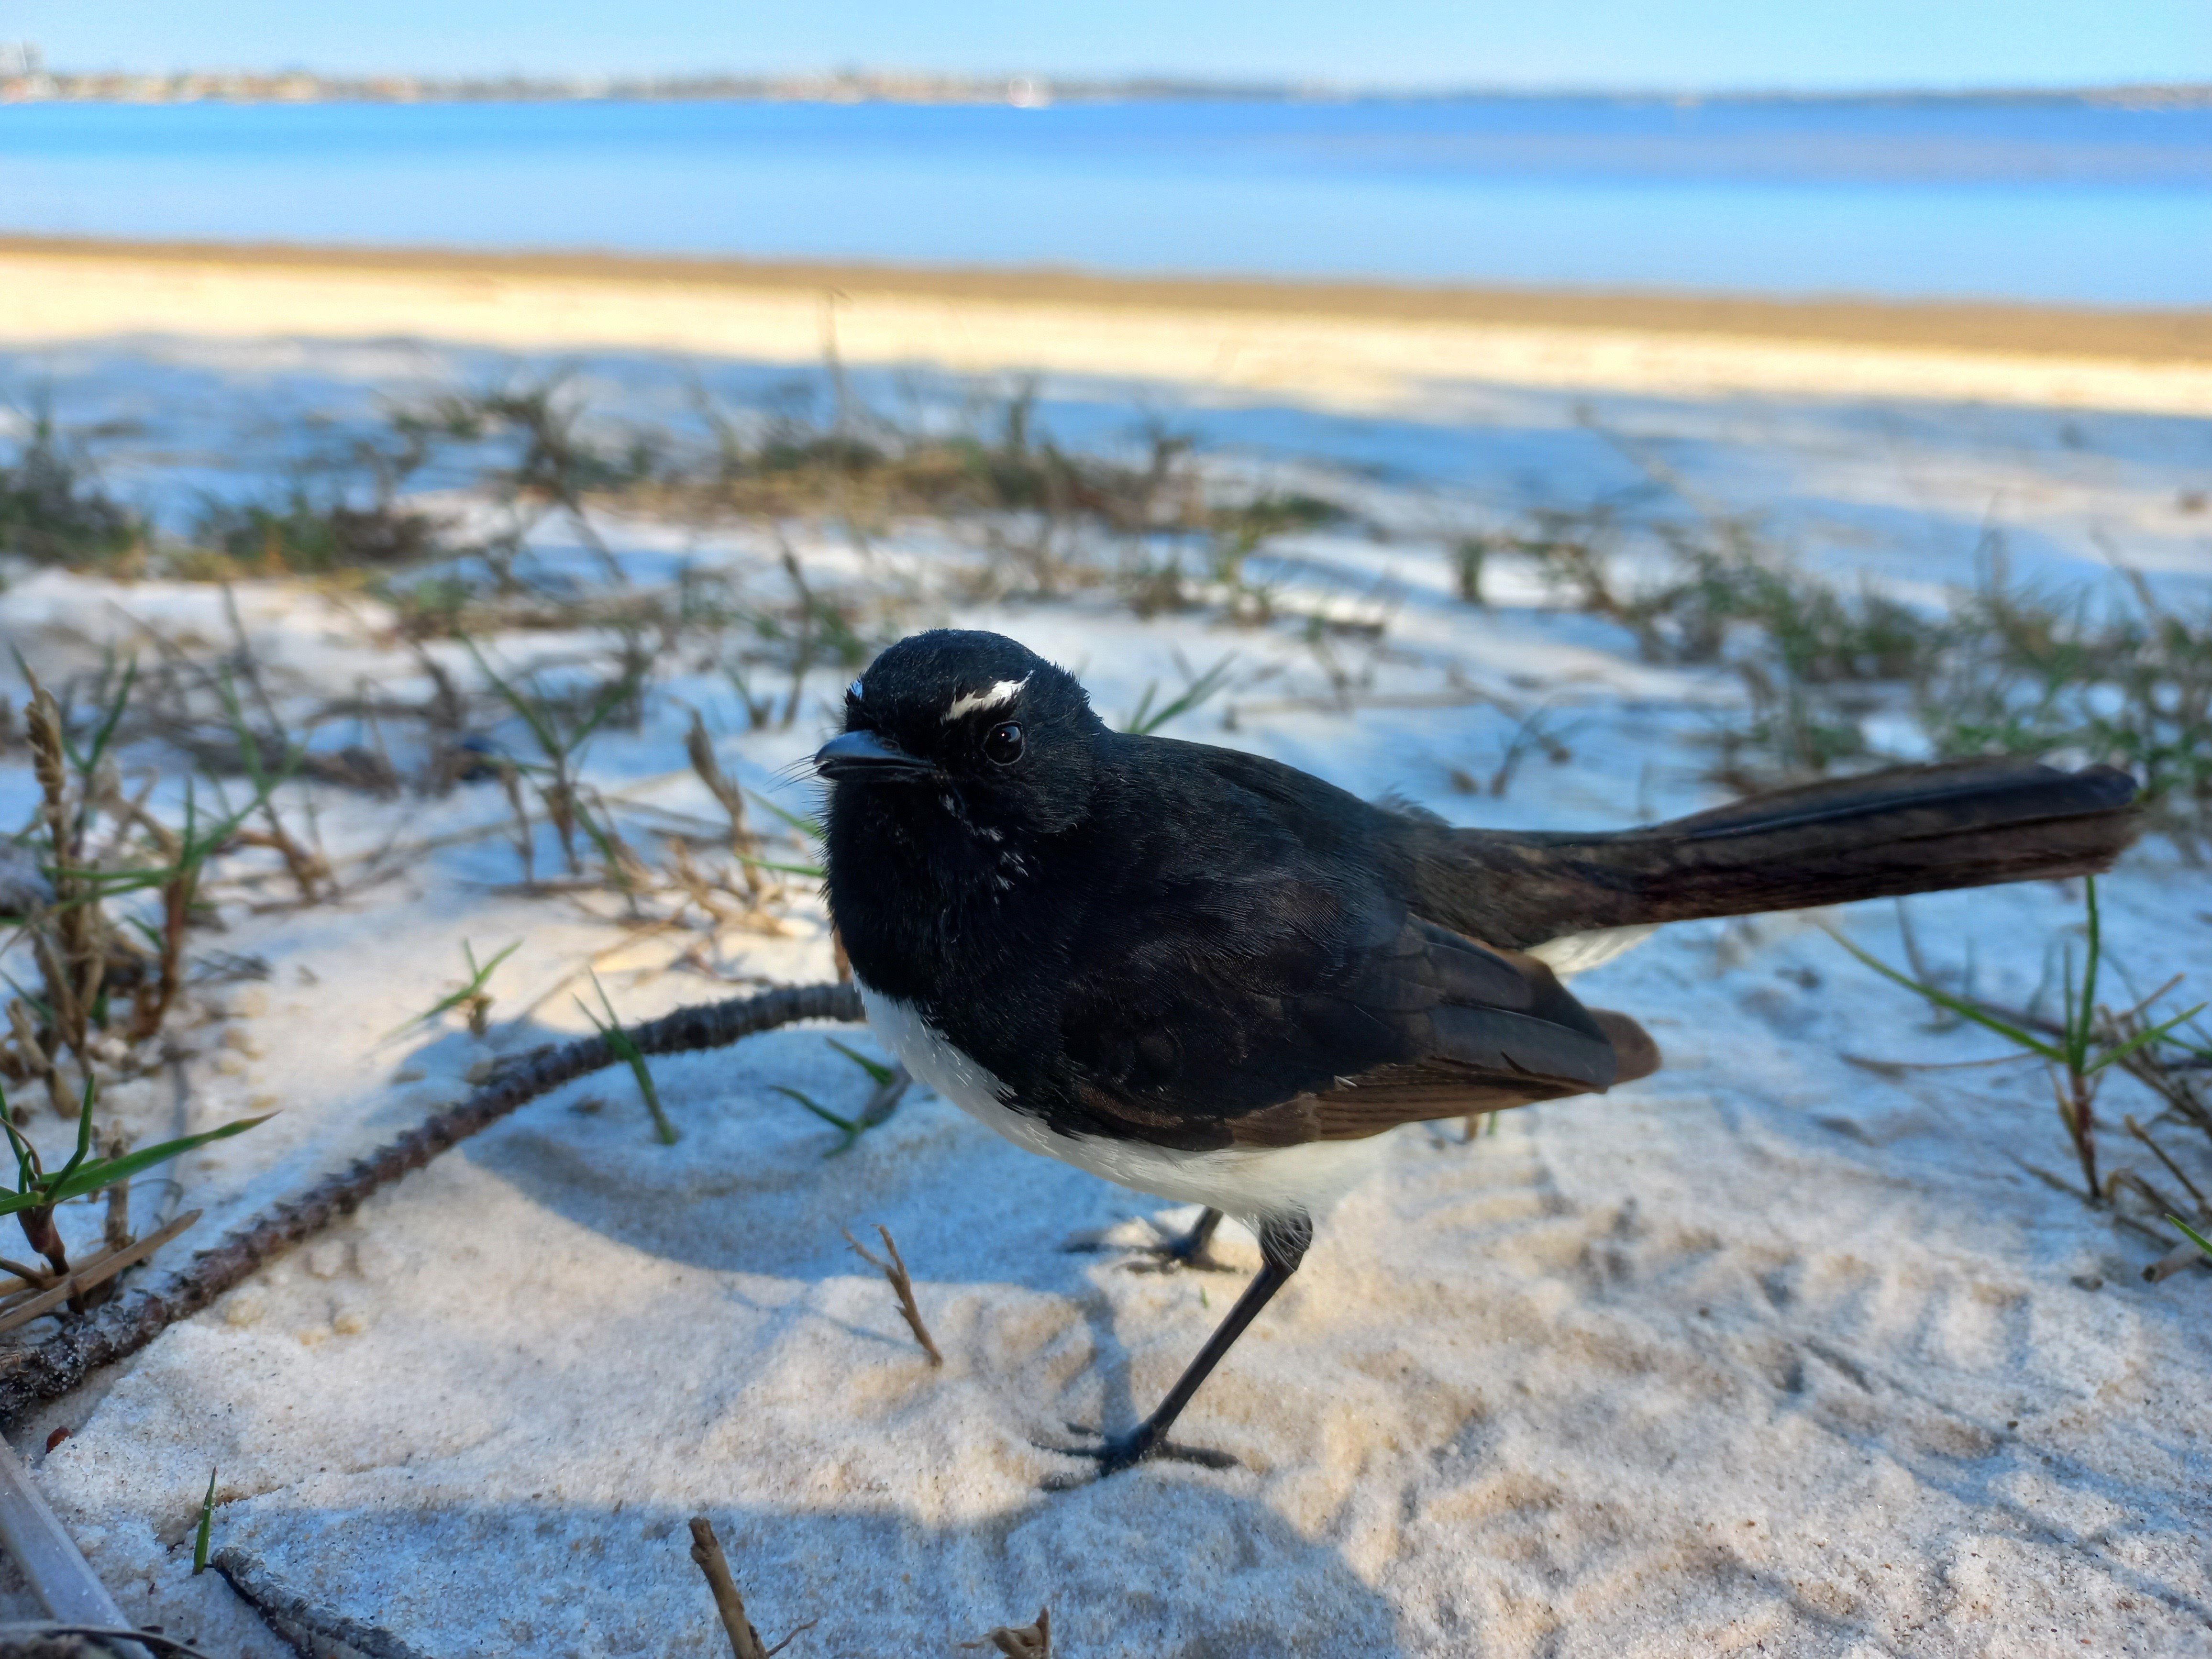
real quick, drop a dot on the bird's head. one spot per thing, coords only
(968, 726)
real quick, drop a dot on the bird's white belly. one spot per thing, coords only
(1577, 953)
(1246, 1181)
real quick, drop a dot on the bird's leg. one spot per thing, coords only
(1283, 1242)
(1192, 1249)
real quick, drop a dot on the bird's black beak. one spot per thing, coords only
(865, 758)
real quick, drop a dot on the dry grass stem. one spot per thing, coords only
(2183, 1254)
(707, 1553)
(744, 1640)
(48, 1639)
(1030, 1642)
(701, 749)
(901, 1283)
(85, 1277)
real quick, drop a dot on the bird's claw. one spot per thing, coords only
(1163, 1256)
(1116, 1452)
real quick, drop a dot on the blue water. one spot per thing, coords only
(2048, 201)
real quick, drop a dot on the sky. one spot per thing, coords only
(1684, 45)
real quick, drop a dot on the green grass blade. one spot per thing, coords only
(474, 986)
(1147, 720)
(1958, 1005)
(206, 1527)
(602, 839)
(812, 872)
(2140, 1040)
(845, 1126)
(610, 700)
(2088, 1010)
(107, 1171)
(531, 716)
(105, 734)
(25, 1169)
(626, 1050)
(875, 1068)
(805, 826)
(2194, 1237)
(83, 1132)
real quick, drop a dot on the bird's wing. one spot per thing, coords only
(1327, 1033)
(1235, 960)
(1432, 1089)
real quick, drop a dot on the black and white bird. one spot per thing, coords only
(1212, 977)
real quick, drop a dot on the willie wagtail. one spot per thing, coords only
(1215, 978)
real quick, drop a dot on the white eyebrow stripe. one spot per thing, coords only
(968, 702)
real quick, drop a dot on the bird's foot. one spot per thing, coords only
(1116, 1452)
(1174, 1254)
(1168, 1253)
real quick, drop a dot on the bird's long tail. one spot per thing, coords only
(1914, 830)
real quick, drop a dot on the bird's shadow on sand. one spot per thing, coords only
(1154, 1568)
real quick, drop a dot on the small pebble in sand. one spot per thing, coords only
(128, 1097)
(230, 1065)
(374, 1260)
(481, 1067)
(238, 1038)
(312, 1335)
(328, 1259)
(245, 1308)
(250, 1001)
(349, 1322)
(409, 1074)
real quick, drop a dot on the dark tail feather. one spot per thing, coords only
(1635, 1052)
(1917, 830)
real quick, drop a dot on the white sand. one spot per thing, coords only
(1765, 1354)
(1322, 357)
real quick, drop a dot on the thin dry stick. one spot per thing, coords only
(706, 1552)
(1030, 1642)
(60, 1579)
(95, 1272)
(149, 1641)
(900, 1282)
(284, 1606)
(38, 1062)
(701, 749)
(128, 1324)
(75, 922)
(2183, 1254)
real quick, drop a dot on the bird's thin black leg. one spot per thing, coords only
(1282, 1246)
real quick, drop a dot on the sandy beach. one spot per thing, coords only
(1342, 346)
(1799, 1347)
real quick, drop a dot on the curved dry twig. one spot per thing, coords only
(151, 1641)
(128, 1324)
(294, 1615)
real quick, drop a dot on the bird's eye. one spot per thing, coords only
(1004, 742)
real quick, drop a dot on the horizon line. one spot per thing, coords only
(893, 84)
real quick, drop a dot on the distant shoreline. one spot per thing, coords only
(2156, 335)
(1352, 345)
(24, 77)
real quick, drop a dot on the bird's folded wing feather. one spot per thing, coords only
(1359, 1019)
